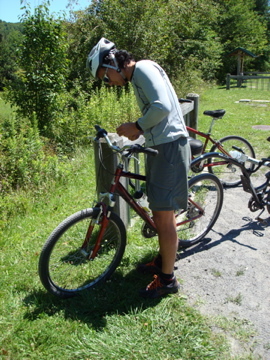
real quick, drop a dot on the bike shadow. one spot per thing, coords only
(257, 228)
(119, 295)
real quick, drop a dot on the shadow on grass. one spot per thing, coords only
(255, 226)
(119, 295)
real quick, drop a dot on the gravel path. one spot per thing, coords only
(227, 276)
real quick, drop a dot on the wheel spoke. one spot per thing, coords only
(204, 205)
(65, 268)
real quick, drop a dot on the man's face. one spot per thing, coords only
(110, 77)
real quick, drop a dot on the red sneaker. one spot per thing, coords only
(158, 288)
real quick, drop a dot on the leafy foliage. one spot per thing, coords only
(190, 39)
(54, 96)
(174, 33)
(24, 159)
(43, 68)
(240, 26)
(28, 160)
(183, 36)
(10, 38)
(178, 35)
(79, 112)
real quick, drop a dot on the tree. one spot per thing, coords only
(262, 7)
(177, 34)
(263, 61)
(43, 67)
(239, 25)
(83, 31)
(190, 38)
(10, 39)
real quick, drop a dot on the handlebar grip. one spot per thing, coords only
(137, 148)
(100, 132)
(151, 151)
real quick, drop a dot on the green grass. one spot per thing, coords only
(240, 117)
(112, 322)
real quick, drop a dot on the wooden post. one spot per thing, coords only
(228, 81)
(104, 175)
(186, 108)
(193, 115)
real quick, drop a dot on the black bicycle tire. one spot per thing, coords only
(268, 201)
(215, 149)
(220, 196)
(64, 226)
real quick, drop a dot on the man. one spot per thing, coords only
(164, 129)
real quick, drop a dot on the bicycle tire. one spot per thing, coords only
(229, 174)
(207, 191)
(64, 271)
(268, 202)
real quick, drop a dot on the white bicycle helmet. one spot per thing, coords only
(95, 58)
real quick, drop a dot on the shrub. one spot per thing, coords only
(80, 111)
(24, 159)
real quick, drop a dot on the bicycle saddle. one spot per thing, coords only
(214, 113)
(195, 145)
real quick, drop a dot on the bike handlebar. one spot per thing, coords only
(130, 149)
(100, 132)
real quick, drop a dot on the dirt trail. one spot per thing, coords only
(228, 275)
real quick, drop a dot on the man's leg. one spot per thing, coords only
(168, 239)
(164, 283)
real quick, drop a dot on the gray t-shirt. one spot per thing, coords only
(162, 119)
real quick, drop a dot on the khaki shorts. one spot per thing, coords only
(167, 176)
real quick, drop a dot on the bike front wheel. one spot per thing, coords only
(205, 199)
(65, 270)
(229, 174)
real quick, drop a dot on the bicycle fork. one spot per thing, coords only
(102, 218)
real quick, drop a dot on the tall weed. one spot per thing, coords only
(79, 112)
(28, 164)
(23, 162)
(29, 161)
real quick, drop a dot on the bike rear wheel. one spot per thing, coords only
(268, 202)
(206, 193)
(65, 270)
(229, 174)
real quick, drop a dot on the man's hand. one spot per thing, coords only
(129, 130)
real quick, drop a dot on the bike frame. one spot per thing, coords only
(207, 139)
(245, 177)
(117, 187)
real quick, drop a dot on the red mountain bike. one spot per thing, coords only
(87, 247)
(227, 172)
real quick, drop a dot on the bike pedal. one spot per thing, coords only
(261, 221)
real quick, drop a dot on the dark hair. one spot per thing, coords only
(122, 57)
